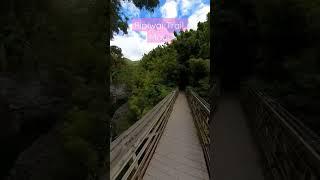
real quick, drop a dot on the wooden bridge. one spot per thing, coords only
(255, 140)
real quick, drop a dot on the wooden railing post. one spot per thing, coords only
(290, 150)
(201, 112)
(132, 151)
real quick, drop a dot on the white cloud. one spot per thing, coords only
(169, 9)
(187, 5)
(197, 9)
(134, 44)
(199, 15)
(130, 8)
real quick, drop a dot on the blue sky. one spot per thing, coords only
(134, 44)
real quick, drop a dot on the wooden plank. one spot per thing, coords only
(201, 111)
(278, 132)
(123, 149)
(179, 153)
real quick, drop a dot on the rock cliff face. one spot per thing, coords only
(119, 121)
(27, 103)
(45, 159)
(117, 92)
(40, 161)
(28, 110)
(30, 113)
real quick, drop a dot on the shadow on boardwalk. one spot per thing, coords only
(179, 155)
(234, 154)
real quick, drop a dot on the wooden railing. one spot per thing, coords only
(132, 151)
(201, 112)
(290, 150)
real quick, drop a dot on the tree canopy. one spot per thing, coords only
(63, 45)
(275, 44)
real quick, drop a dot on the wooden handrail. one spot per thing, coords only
(289, 148)
(201, 112)
(132, 151)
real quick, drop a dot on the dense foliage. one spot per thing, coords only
(40, 42)
(193, 49)
(59, 46)
(183, 62)
(274, 43)
(118, 21)
(155, 77)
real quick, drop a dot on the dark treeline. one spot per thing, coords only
(53, 72)
(53, 92)
(274, 46)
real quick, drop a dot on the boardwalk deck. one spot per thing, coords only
(234, 154)
(179, 155)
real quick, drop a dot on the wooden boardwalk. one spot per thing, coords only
(179, 155)
(235, 155)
